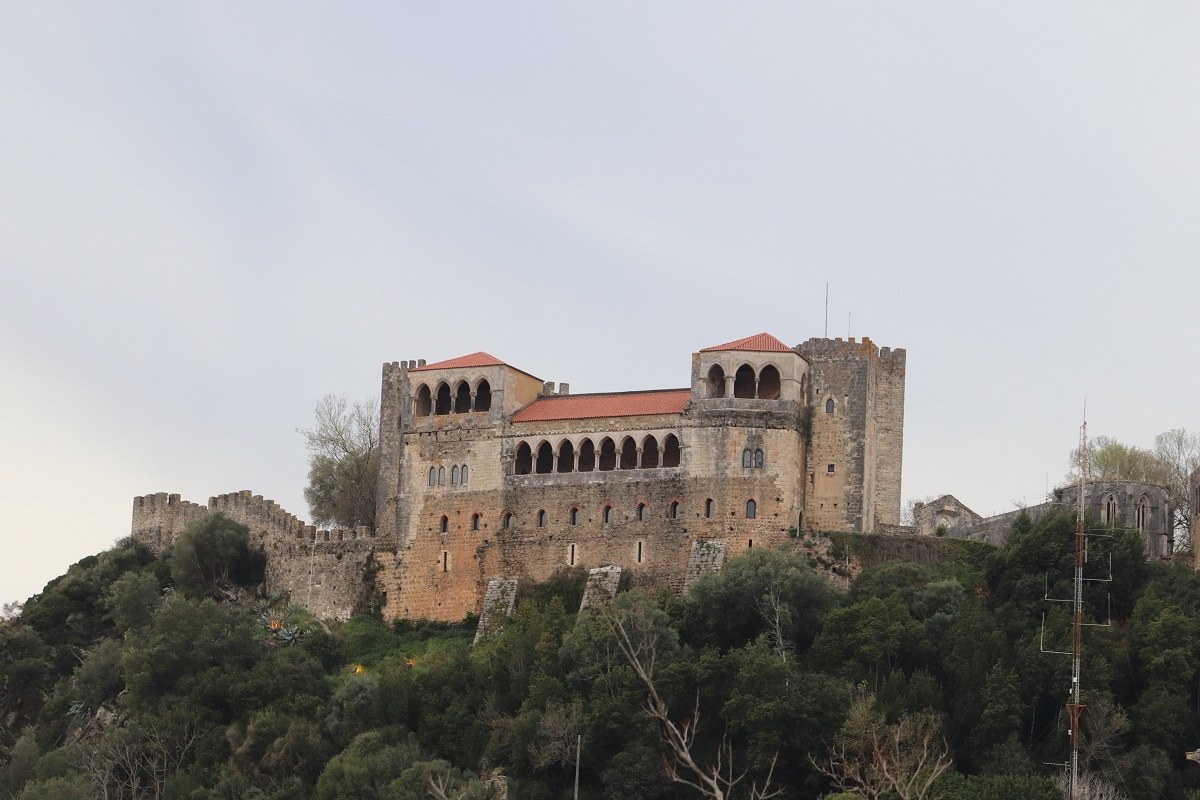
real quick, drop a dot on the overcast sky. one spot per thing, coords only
(212, 214)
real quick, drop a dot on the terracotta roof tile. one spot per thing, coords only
(600, 406)
(759, 343)
(480, 359)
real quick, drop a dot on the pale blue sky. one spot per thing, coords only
(212, 214)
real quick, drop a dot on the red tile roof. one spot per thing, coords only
(602, 406)
(480, 359)
(759, 343)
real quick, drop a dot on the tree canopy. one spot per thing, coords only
(343, 462)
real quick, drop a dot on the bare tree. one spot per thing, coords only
(637, 637)
(558, 732)
(875, 760)
(1092, 786)
(343, 462)
(776, 613)
(1178, 455)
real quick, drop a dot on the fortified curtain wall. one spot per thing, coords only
(330, 572)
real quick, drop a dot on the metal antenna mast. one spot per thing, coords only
(1075, 707)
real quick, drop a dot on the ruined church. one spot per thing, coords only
(490, 476)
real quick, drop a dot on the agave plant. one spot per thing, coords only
(290, 635)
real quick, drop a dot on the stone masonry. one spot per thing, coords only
(489, 473)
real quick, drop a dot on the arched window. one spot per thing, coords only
(747, 459)
(454, 475)
(649, 453)
(545, 459)
(587, 456)
(743, 381)
(463, 479)
(607, 517)
(751, 509)
(768, 383)
(670, 456)
(709, 508)
(541, 519)
(829, 406)
(432, 476)
(509, 522)
(441, 476)
(523, 465)
(608, 455)
(758, 459)
(483, 396)
(443, 399)
(566, 457)
(628, 454)
(716, 381)
(641, 512)
(1110, 510)
(574, 516)
(462, 398)
(474, 522)
(673, 511)
(423, 405)
(445, 524)
(1143, 514)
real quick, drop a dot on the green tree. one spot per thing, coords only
(343, 462)
(212, 555)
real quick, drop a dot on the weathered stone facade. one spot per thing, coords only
(488, 473)
(1143, 507)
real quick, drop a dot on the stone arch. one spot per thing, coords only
(523, 461)
(649, 452)
(1110, 509)
(628, 453)
(566, 456)
(423, 402)
(670, 451)
(769, 383)
(587, 456)
(462, 398)
(483, 396)
(743, 381)
(545, 459)
(608, 454)
(443, 404)
(716, 381)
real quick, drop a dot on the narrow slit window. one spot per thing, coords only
(445, 561)
(571, 556)
(474, 522)
(758, 459)
(641, 512)
(445, 524)
(751, 509)
(574, 516)
(607, 515)
(708, 508)
(674, 512)
(639, 553)
(749, 543)
(541, 519)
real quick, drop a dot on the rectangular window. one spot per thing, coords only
(571, 559)
(445, 561)
(829, 469)
(639, 555)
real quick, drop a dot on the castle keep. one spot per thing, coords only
(489, 476)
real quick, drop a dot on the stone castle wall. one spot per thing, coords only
(327, 571)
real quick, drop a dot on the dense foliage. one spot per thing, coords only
(137, 676)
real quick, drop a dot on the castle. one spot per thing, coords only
(489, 476)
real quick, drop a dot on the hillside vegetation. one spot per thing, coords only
(135, 676)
